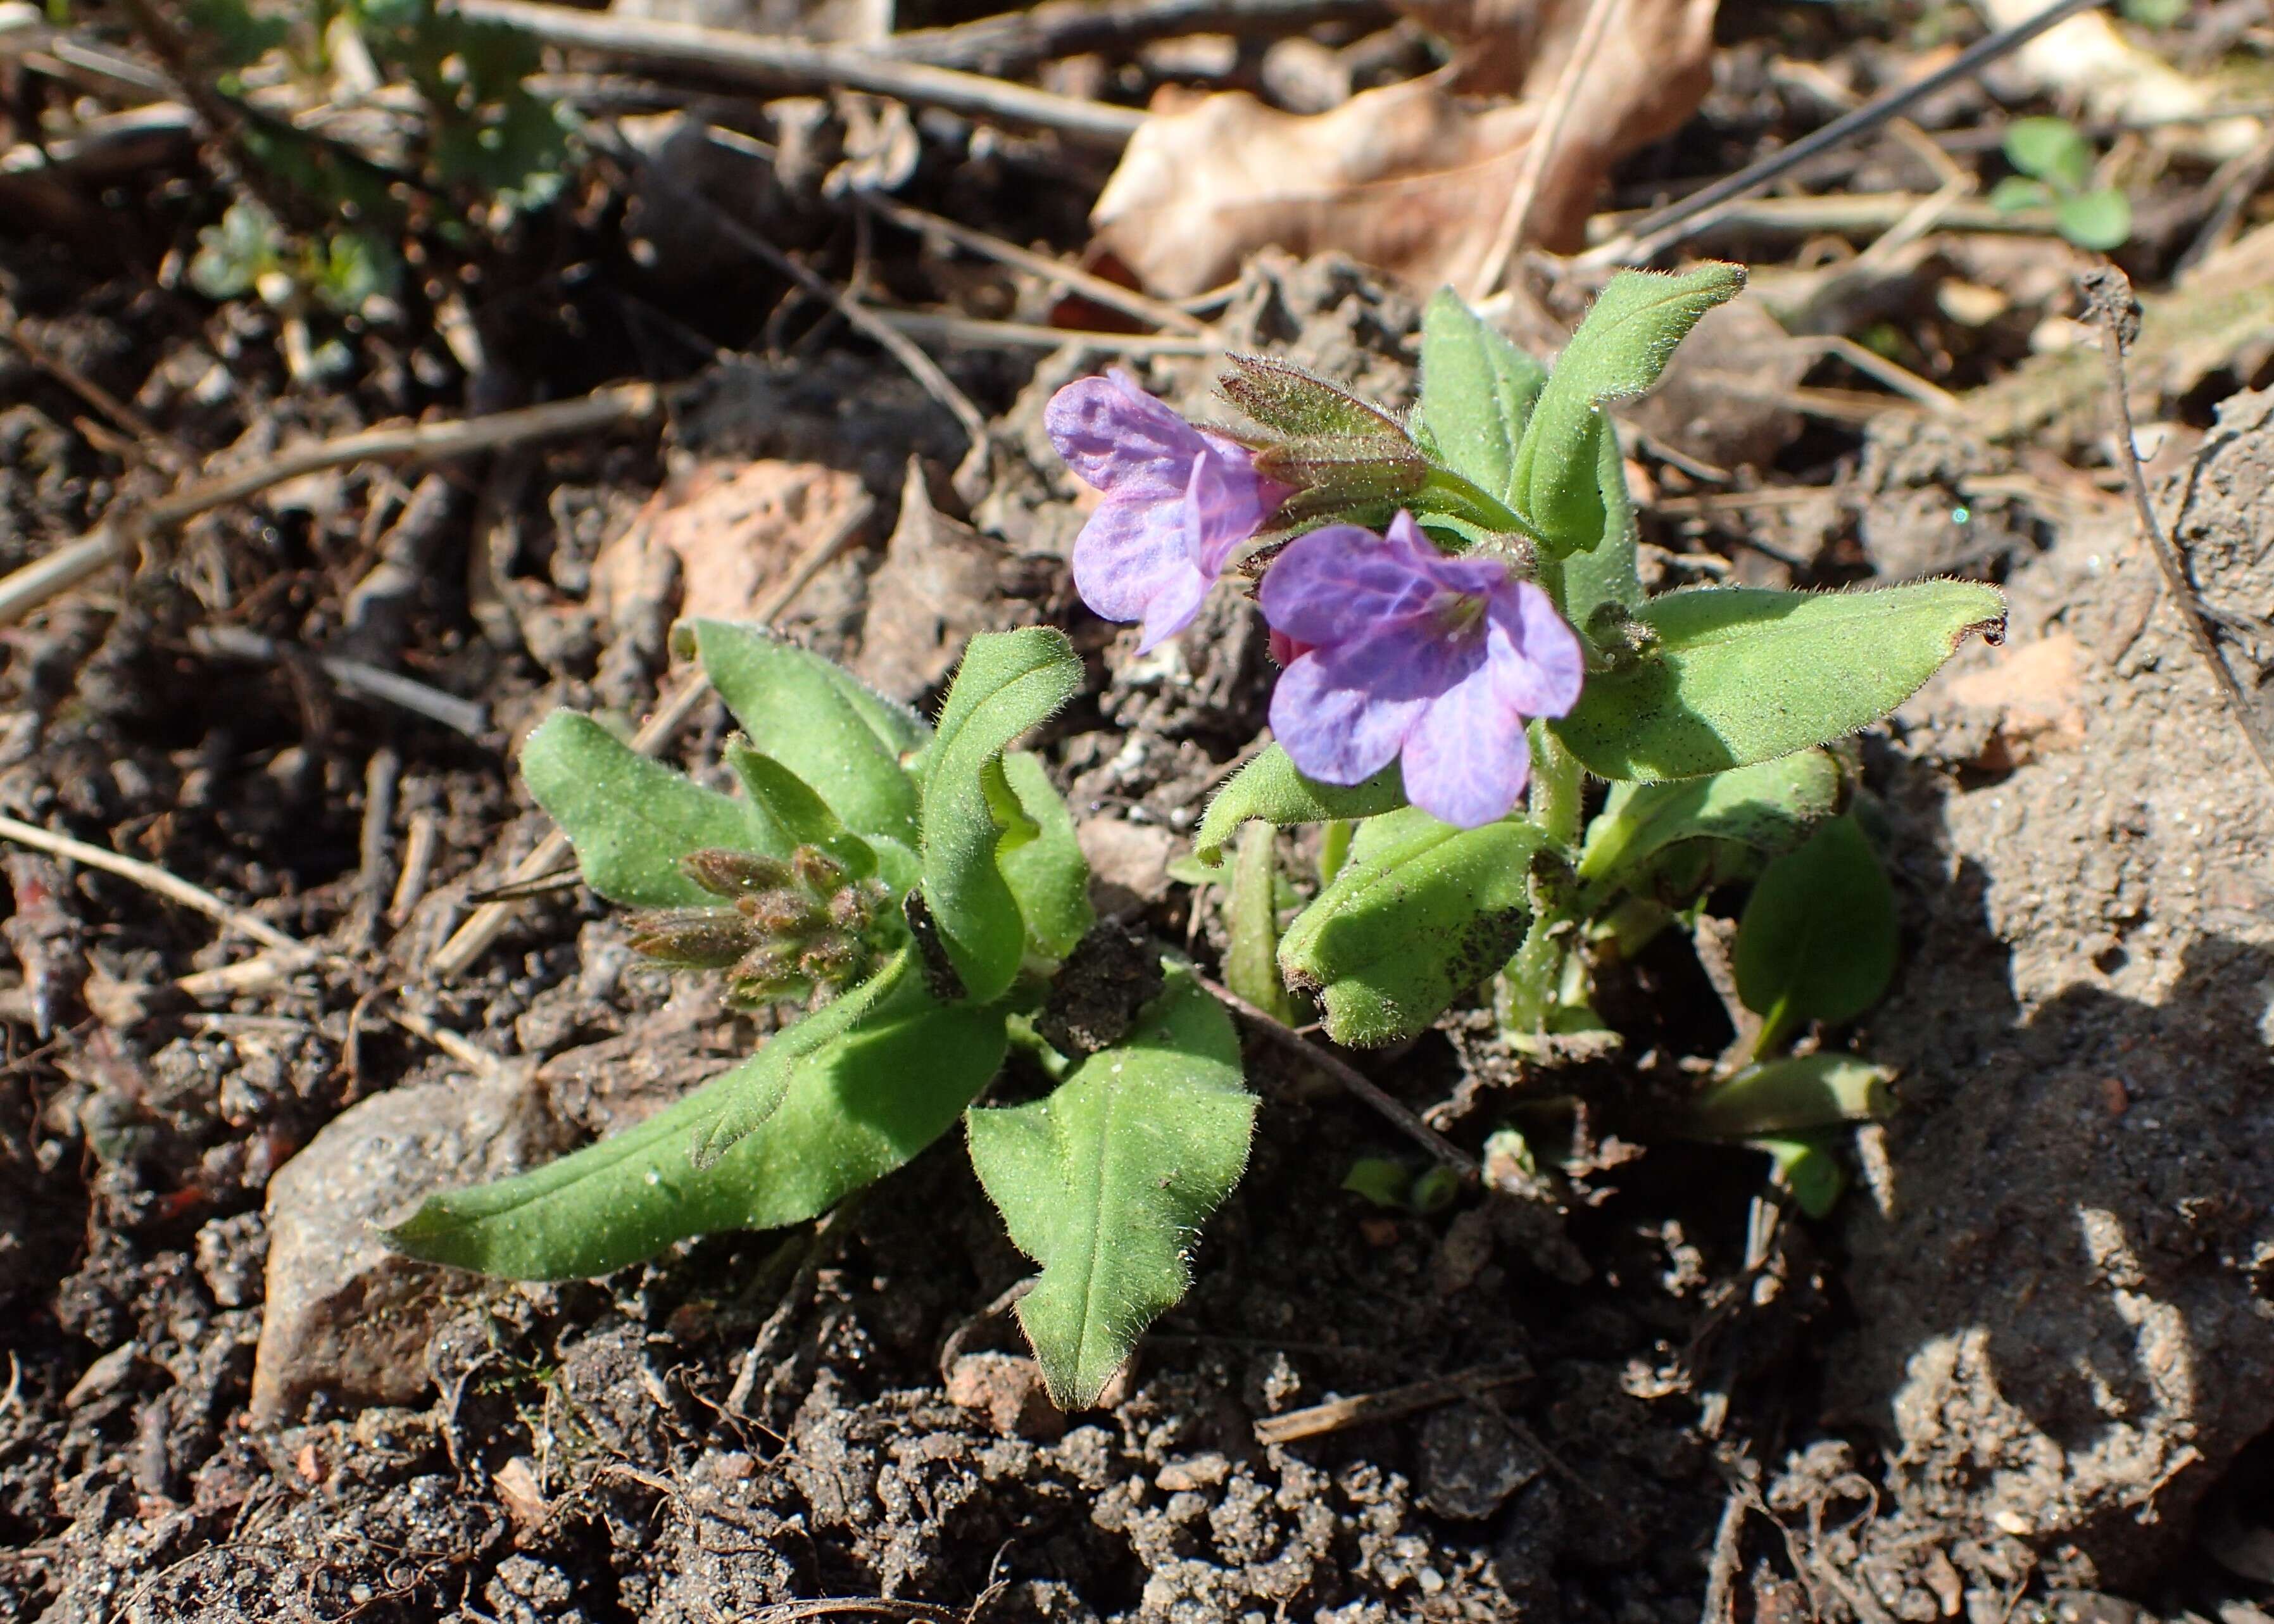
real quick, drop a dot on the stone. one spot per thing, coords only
(348, 1317)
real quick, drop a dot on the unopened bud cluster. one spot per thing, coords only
(788, 928)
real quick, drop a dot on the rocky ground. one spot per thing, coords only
(2024, 1371)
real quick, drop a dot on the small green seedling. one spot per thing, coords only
(917, 887)
(2056, 172)
(482, 148)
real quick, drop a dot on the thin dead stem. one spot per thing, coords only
(2108, 303)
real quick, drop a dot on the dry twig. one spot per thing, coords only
(114, 539)
(2109, 304)
(1662, 229)
(1089, 284)
(1545, 138)
(777, 65)
(1337, 1414)
(1350, 1078)
(1013, 42)
(151, 877)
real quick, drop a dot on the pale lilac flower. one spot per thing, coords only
(1177, 500)
(1411, 654)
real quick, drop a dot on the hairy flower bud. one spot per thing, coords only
(797, 925)
(734, 873)
(789, 911)
(815, 870)
(698, 938)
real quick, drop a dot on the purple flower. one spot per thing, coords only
(1177, 500)
(1440, 660)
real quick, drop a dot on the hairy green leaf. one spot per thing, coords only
(1816, 940)
(819, 721)
(1770, 806)
(1606, 573)
(630, 818)
(1477, 393)
(1792, 1095)
(857, 1108)
(1618, 352)
(746, 1096)
(1105, 1182)
(1269, 788)
(1009, 682)
(1743, 674)
(793, 813)
(1420, 914)
(1047, 873)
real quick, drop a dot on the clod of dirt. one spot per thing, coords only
(346, 1315)
(2064, 1322)
(1473, 1459)
(1008, 1390)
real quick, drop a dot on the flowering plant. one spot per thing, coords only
(1464, 642)
(1455, 601)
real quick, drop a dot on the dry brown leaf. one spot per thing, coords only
(734, 529)
(939, 584)
(1503, 47)
(1410, 177)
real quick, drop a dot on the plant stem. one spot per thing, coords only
(1556, 788)
(1334, 849)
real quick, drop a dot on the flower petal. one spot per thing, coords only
(1129, 552)
(1341, 583)
(1176, 605)
(1451, 574)
(1335, 733)
(1467, 758)
(1225, 501)
(1121, 440)
(1538, 665)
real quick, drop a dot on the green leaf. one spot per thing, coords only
(1792, 1095)
(856, 1109)
(1269, 788)
(1809, 1170)
(1741, 674)
(817, 720)
(1816, 940)
(630, 818)
(1105, 1182)
(1618, 352)
(1420, 914)
(1477, 392)
(1608, 572)
(2018, 194)
(2101, 221)
(793, 814)
(1770, 806)
(748, 1095)
(1047, 875)
(1251, 963)
(2052, 149)
(1008, 682)
(1381, 1181)
(235, 254)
